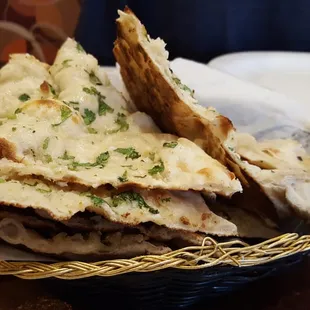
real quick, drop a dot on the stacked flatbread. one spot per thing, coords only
(85, 175)
(274, 174)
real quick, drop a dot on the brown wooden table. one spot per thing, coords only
(289, 291)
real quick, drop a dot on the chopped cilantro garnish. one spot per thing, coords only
(93, 78)
(97, 201)
(171, 144)
(89, 116)
(2, 180)
(101, 161)
(103, 108)
(14, 128)
(90, 91)
(80, 48)
(65, 156)
(48, 158)
(24, 97)
(157, 169)
(123, 178)
(45, 143)
(65, 63)
(92, 130)
(183, 86)
(52, 89)
(129, 197)
(65, 113)
(18, 111)
(73, 104)
(43, 191)
(129, 152)
(122, 122)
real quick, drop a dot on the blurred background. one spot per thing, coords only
(194, 29)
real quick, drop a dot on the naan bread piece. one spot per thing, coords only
(90, 222)
(249, 225)
(176, 210)
(23, 78)
(87, 89)
(48, 138)
(93, 246)
(144, 62)
(272, 154)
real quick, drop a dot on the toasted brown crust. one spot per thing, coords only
(7, 150)
(154, 94)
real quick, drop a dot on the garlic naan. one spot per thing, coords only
(172, 209)
(48, 138)
(86, 88)
(23, 78)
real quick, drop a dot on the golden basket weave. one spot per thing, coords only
(210, 253)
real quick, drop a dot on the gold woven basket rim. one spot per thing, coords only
(210, 253)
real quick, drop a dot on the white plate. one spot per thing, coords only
(285, 72)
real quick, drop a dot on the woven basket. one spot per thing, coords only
(179, 278)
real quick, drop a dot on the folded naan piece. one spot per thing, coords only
(272, 154)
(144, 62)
(176, 210)
(91, 246)
(85, 87)
(23, 78)
(48, 138)
(249, 225)
(91, 222)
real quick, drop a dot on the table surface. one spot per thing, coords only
(283, 292)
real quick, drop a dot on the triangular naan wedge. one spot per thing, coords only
(85, 87)
(156, 90)
(48, 138)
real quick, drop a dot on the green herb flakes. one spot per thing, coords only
(121, 121)
(123, 178)
(130, 197)
(97, 201)
(80, 48)
(103, 108)
(14, 128)
(89, 116)
(90, 91)
(183, 86)
(52, 89)
(43, 191)
(45, 143)
(92, 130)
(93, 78)
(17, 111)
(72, 104)
(48, 158)
(167, 199)
(65, 63)
(2, 180)
(66, 156)
(157, 169)
(101, 161)
(65, 113)
(171, 144)
(24, 97)
(129, 152)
